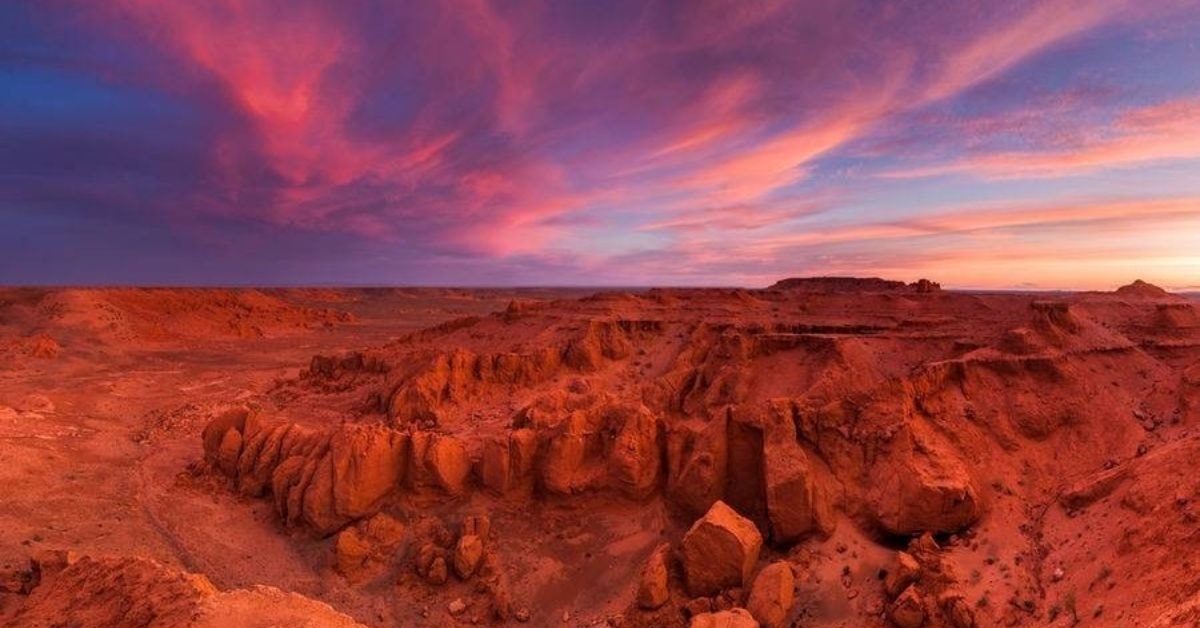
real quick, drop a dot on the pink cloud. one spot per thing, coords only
(521, 129)
(1164, 131)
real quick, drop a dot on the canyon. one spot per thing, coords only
(821, 452)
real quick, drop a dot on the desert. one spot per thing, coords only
(599, 314)
(820, 452)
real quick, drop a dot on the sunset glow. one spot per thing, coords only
(1027, 144)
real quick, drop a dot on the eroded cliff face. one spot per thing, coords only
(891, 415)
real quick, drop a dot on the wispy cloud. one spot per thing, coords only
(591, 136)
(1154, 133)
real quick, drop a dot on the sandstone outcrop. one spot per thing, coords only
(323, 478)
(438, 463)
(894, 409)
(506, 465)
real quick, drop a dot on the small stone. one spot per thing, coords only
(45, 563)
(697, 606)
(522, 615)
(908, 611)
(652, 590)
(904, 571)
(438, 572)
(467, 555)
(1057, 574)
(957, 611)
(501, 606)
(351, 551)
(457, 606)
(733, 618)
(566, 616)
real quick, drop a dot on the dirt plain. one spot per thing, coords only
(823, 452)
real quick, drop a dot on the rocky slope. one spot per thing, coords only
(65, 590)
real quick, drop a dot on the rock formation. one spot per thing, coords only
(778, 422)
(719, 551)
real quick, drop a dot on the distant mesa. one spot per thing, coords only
(1141, 289)
(853, 284)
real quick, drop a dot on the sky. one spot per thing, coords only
(1010, 144)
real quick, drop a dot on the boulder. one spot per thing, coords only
(430, 562)
(904, 571)
(653, 589)
(733, 618)
(773, 595)
(363, 549)
(438, 573)
(384, 531)
(719, 551)
(921, 486)
(908, 610)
